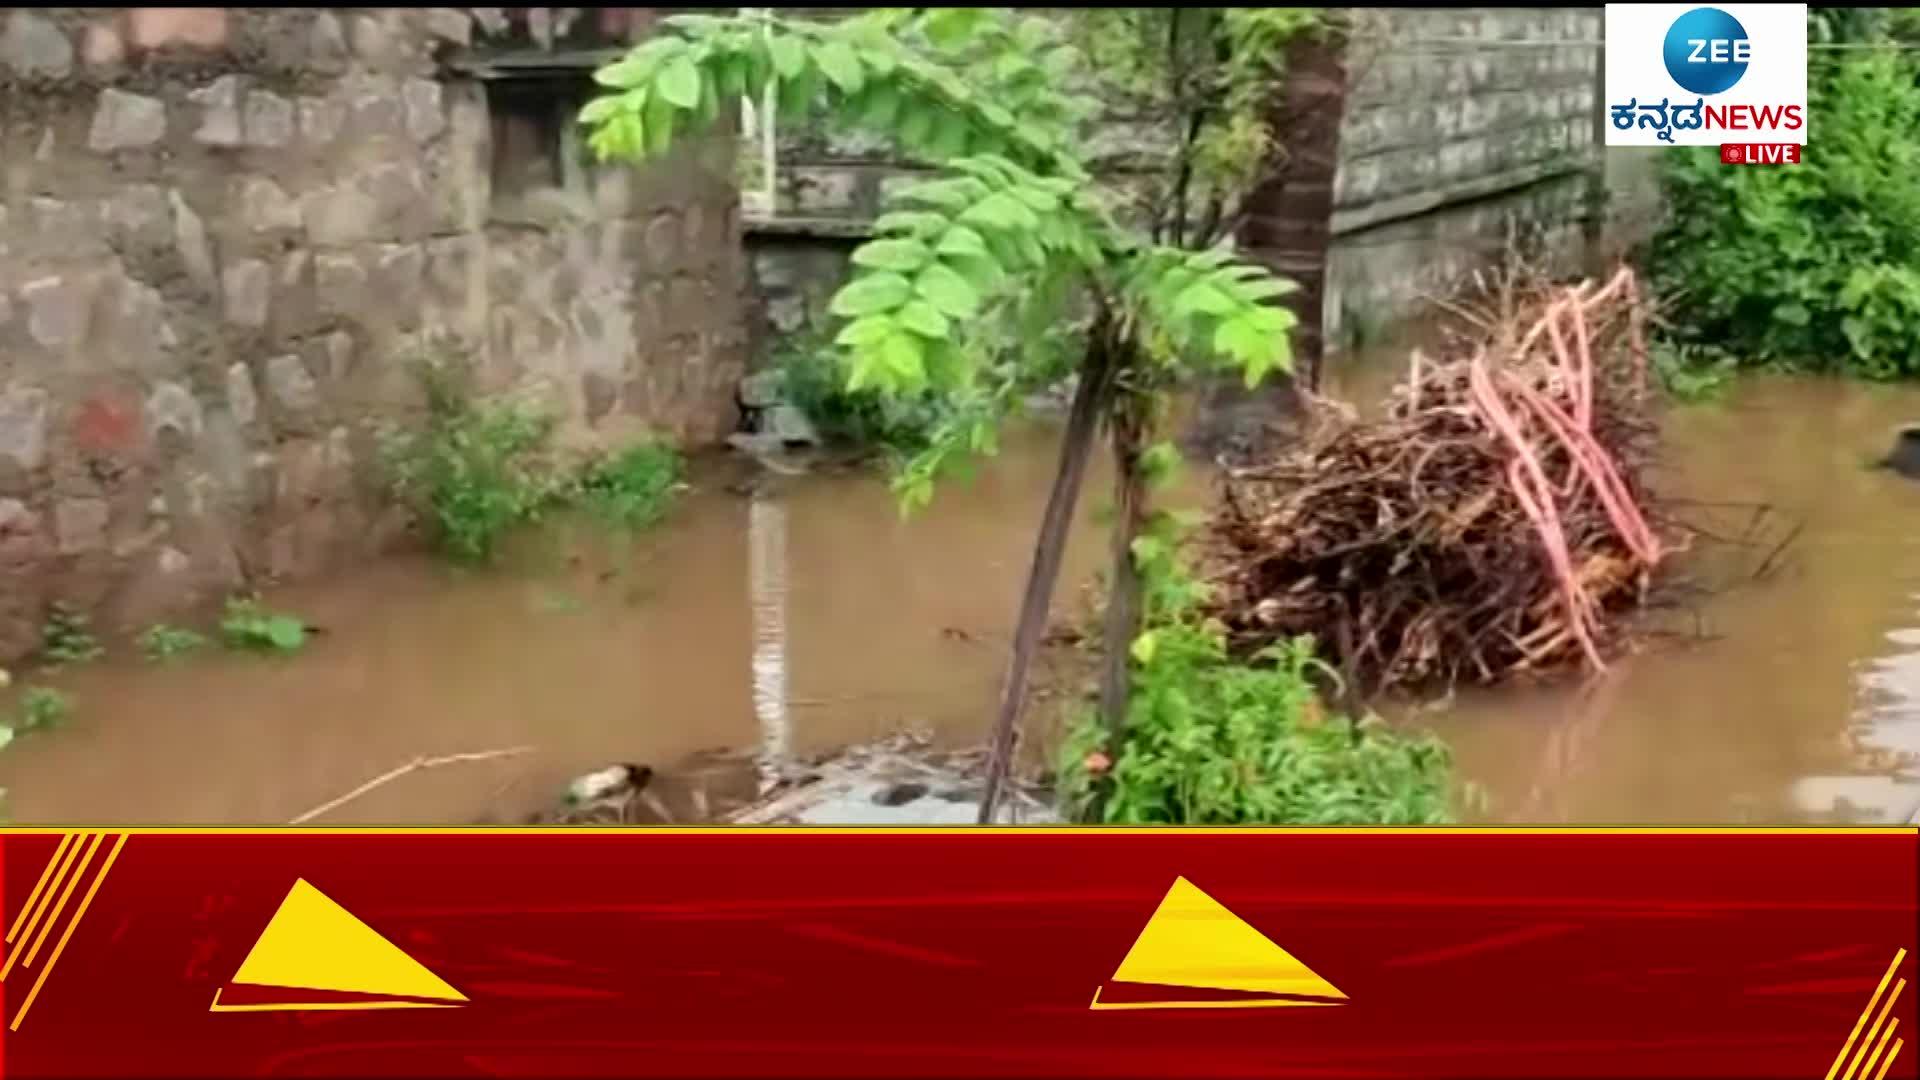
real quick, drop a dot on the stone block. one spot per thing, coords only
(154, 28)
(265, 206)
(131, 332)
(339, 215)
(102, 47)
(219, 102)
(123, 121)
(190, 240)
(34, 47)
(57, 308)
(292, 310)
(245, 286)
(662, 241)
(321, 120)
(242, 401)
(172, 408)
(396, 281)
(450, 25)
(80, 525)
(420, 100)
(23, 426)
(290, 385)
(268, 120)
(327, 45)
(138, 219)
(340, 285)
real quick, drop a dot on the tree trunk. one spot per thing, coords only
(1123, 598)
(1049, 547)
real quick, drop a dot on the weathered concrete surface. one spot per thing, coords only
(224, 232)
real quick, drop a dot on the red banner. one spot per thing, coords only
(961, 953)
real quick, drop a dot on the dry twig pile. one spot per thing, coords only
(1494, 521)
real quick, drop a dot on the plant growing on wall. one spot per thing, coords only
(1011, 264)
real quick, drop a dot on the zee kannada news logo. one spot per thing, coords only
(1706, 52)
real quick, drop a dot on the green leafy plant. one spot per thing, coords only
(41, 708)
(161, 642)
(1813, 265)
(1211, 740)
(630, 489)
(248, 626)
(476, 469)
(813, 381)
(1010, 264)
(1692, 373)
(67, 638)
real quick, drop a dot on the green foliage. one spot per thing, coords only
(1210, 740)
(67, 638)
(1692, 373)
(41, 708)
(631, 489)
(247, 626)
(160, 642)
(476, 469)
(813, 381)
(1007, 241)
(1811, 265)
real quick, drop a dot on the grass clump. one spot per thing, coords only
(67, 638)
(248, 626)
(160, 642)
(479, 470)
(631, 489)
(40, 708)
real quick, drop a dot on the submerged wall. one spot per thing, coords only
(224, 233)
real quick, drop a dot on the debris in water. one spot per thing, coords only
(898, 781)
(608, 782)
(1493, 522)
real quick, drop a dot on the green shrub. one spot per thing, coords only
(631, 489)
(67, 638)
(1212, 740)
(477, 470)
(43, 707)
(160, 642)
(247, 626)
(812, 381)
(1816, 265)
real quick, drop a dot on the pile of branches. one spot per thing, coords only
(1493, 522)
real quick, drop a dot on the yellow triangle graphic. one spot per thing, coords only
(312, 943)
(1193, 941)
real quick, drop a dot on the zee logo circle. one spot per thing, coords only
(1707, 51)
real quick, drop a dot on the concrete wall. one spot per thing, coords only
(224, 232)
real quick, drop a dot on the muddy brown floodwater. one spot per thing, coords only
(810, 615)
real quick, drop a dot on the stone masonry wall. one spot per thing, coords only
(225, 231)
(1462, 126)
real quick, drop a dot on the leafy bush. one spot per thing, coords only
(41, 708)
(632, 488)
(813, 381)
(476, 469)
(1210, 740)
(1813, 265)
(160, 642)
(67, 638)
(250, 627)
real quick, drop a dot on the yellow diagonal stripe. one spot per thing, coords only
(61, 945)
(1879, 1045)
(46, 898)
(1888, 1064)
(1874, 1031)
(66, 891)
(33, 898)
(1847, 1047)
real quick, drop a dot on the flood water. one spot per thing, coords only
(810, 615)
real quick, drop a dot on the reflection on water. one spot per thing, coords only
(814, 615)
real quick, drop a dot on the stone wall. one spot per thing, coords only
(224, 232)
(1463, 126)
